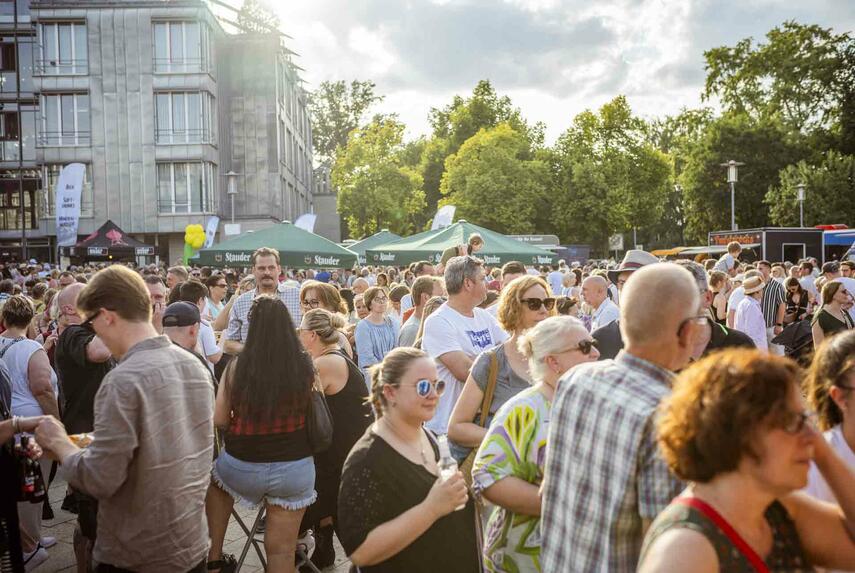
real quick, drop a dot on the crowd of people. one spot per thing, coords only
(642, 416)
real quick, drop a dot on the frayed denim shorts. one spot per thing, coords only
(290, 485)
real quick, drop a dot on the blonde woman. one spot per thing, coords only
(524, 302)
(315, 294)
(395, 512)
(509, 465)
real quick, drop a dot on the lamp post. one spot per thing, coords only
(800, 188)
(732, 168)
(679, 190)
(231, 191)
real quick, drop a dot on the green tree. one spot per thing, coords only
(495, 181)
(829, 190)
(460, 120)
(337, 109)
(376, 189)
(763, 145)
(257, 16)
(801, 75)
(608, 177)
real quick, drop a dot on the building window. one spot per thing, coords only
(64, 120)
(184, 117)
(62, 49)
(181, 47)
(185, 187)
(15, 185)
(50, 176)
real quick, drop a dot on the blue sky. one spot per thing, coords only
(554, 58)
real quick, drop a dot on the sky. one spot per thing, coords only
(554, 58)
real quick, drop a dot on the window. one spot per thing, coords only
(64, 120)
(185, 187)
(62, 49)
(50, 176)
(184, 117)
(181, 47)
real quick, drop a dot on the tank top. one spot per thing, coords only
(786, 555)
(16, 353)
(351, 414)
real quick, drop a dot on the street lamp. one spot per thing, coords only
(231, 190)
(800, 188)
(732, 168)
(678, 189)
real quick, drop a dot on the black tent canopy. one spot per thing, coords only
(108, 242)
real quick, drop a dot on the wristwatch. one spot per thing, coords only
(779, 324)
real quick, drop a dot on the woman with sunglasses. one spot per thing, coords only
(524, 302)
(832, 316)
(508, 468)
(830, 390)
(395, 512)
(377, 334)
(217, 289)
(735, 428)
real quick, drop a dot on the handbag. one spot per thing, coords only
(486, 402)
(319, 422)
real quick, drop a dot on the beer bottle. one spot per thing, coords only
(32, 481)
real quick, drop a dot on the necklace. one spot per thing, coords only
(403, 441)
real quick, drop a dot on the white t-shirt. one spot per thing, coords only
(207, 342)
(406, 303)
(817, 486)
(735, 298)
(808, 285)
(555, 279)
(725, 264)
(446, 330)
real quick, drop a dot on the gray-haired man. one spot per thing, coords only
(458, 331)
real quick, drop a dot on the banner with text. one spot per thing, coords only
(68, 190)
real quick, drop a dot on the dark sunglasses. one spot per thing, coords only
(585, 346)
(424, 386)
(536, 303)
(88, 322)
(222, 285)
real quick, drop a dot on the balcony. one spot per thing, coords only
(61, 67)
(63, 139)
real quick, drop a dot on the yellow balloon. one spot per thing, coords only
(194, 236)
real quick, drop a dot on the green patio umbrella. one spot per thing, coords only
(376, 240)
(297, 248)
(429, 245)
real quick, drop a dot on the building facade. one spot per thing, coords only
(160, 104)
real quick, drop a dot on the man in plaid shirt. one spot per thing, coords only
(604, 479)
(266, 269)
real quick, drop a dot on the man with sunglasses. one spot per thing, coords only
(601, 437)
(458, 331)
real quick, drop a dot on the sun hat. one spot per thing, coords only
(633, 260)
(753, 284)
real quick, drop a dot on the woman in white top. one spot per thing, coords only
(34, 393)
(830, 389)
(749, 314)
(217, 287)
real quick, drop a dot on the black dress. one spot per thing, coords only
(379, 484)
(351, 414)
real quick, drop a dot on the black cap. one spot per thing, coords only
(181, 314)
(830, 267)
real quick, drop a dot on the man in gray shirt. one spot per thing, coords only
(424, 288)
(149, 463)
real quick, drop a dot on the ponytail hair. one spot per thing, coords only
(389, 373)
(327, 325)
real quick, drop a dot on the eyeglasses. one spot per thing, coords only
(536, 303)
(794, 422)
(311, 303)
(88, 322)
(222, 285)
(381, 300)
(584, 346)
(699, 320)
(424, 387)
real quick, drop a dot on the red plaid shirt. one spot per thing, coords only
(290, 421)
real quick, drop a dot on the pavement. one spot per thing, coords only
(62, 527)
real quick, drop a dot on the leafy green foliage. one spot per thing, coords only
(257, 16)
(376, 187)
(337, 109)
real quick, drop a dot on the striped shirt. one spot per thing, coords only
(773, 295)
(603, 471)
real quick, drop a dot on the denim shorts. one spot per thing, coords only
(290, 485)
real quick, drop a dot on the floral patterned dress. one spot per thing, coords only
(515, 445)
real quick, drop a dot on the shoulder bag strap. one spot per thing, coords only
(14, 342)
(714, 516)
(490, 389)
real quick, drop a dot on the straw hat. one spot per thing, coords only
(753, 284)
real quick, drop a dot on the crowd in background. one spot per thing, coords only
(648, 415)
